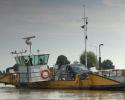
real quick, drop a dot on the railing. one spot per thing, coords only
(111, 73)
(18, 78)
(63, 77)
(36, 76)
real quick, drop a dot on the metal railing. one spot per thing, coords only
(36, 76)
(111, 73)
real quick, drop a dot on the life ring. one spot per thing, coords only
(45, 74)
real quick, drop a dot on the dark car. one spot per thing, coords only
(68, 72)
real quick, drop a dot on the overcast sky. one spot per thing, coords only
(56, 25)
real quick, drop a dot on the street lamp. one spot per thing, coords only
(100, 55)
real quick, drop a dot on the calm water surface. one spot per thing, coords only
(11, 93)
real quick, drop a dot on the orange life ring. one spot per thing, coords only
(45, 74)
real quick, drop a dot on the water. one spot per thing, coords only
(11, 93)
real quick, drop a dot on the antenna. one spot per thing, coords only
(85, 34)
(28, 42)
(17, 53)
(21, 52)
(38, 51)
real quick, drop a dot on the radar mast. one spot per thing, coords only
(28, 42)
(85, 34)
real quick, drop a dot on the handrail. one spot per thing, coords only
(37, 76)
(111, 73)
(19, 78)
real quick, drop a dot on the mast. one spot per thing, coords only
(85, 34)
(28, 42)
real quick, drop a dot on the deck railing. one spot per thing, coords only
(36, 76)
(111, 73)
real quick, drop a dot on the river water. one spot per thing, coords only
(11, 93)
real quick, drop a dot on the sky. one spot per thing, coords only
(56, 25)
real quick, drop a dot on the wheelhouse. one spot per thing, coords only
(29, 66)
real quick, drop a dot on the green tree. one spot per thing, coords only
(107, 64)
(62, 60)
(91, 59)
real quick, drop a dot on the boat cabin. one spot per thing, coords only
(29, 67)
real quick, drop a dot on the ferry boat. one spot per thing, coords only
(33, 72)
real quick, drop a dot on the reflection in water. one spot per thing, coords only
(30, 94)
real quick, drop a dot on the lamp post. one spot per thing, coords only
(100, 56)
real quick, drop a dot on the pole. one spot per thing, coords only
(30, 49)
(96, 58)
(38, 56)
(100, 56)
(85, 51)
(85, 35)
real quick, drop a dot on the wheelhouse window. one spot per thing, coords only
(32, 60)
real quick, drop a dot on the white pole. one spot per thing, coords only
(85, 36)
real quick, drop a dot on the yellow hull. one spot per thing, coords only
(93, 81)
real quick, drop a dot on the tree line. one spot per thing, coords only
(92, 61)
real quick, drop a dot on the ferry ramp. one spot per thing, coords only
(9, 78)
